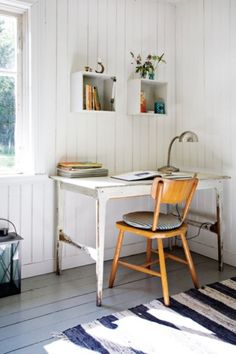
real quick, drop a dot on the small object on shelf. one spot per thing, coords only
(102, 68)
(113, 94)
(88, 69)
(143, 106)
(159, 107)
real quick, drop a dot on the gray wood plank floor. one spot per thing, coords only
(51, 303)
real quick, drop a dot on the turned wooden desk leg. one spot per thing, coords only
(100, 238)
(59, 226)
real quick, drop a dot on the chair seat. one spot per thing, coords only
(144, 220)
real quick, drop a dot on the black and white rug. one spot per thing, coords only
(197, 321)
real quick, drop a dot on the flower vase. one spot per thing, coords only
(151, 75)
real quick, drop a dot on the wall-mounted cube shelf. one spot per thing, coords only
(153, 91)
(89, 90)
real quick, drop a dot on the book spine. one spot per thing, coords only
(89, 97)
(143, 107)
(97, 105)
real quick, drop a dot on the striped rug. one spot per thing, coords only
(197, 321)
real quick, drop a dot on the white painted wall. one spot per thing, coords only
(198, 41)
(205, 102)
(66, 36)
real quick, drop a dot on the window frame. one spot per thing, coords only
(23, 126)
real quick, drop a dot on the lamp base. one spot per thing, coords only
(168, 169)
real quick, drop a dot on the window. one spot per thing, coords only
(9, 90)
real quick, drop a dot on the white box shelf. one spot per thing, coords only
(154, 91)
(105, 85)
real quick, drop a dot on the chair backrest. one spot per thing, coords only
(170, 191)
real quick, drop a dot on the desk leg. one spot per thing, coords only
(59, 226)
(219, 227)
(100, 238)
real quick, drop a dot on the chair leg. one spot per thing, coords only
(164, 281)
(190, 261)
(149, 252)
(116, 258)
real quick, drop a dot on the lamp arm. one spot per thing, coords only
(169, 149)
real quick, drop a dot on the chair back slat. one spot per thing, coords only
(166, 191)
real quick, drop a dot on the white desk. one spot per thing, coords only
(104, 188)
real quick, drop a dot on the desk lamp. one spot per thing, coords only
(188, 137)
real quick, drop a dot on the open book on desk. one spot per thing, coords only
(142, 175)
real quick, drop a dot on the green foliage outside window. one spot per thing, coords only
(7, 92)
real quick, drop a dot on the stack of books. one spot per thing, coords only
(81, 169)
(92, 101)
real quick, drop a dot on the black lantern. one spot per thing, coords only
(10, 264)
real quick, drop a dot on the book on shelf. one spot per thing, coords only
(92, 101)
(88, 97)
(82, 173)
(97, 105)
(79, 164)
(143, 102)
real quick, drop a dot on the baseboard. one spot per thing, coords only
(49, 266)
(212, 252)
(34, 269)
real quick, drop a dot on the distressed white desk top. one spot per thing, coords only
(91, 185)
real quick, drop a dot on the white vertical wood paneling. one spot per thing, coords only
(29, 204)
(48, 88)
(35, 60)
(139, 139)
(62, 94)
(123, 157)
(153, 122)
(193, 87)
(72, 21)
(26, 222)
(48, 217)
(91, 41)
(14, 205)
(78, 60)
(205, 80)
(106, 124)
(4, 201)
(38, 197)
(198, 39)
(163, 136)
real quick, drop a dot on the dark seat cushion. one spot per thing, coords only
(144, 219)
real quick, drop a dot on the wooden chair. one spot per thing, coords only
(156, 225)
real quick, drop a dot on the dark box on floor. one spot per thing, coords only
(10, 264)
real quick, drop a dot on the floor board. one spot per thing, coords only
(51, 303)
